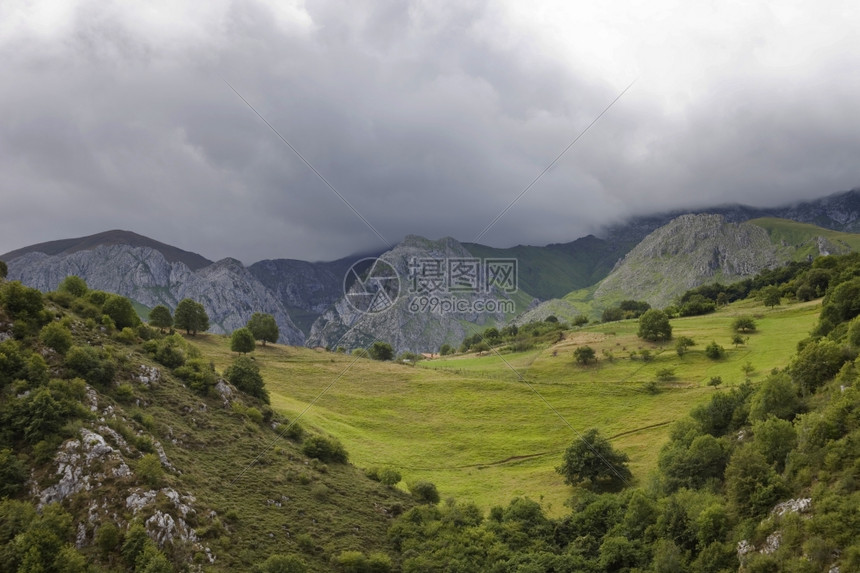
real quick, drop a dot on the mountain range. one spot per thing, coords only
(652, 258)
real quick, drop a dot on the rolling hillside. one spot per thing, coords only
(470, 425)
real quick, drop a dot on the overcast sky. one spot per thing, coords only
(428, 117)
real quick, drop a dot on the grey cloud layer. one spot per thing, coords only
(116, 118)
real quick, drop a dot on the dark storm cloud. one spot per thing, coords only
(427, 118)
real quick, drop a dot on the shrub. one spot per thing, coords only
(244, 374)
(127, 335)
(73, 285)
(584, 355)
(325, 449)
(91, 365)
(57, 337)
(381, 351)
(198, 374)
(714, 351)
(169, 351)
(389, 477)
(580, 320)
(21, 302)
(282, 564)
(665, 374)
(149, 469)
(107, 538)
(424, 492)
(682, 344)
(697, 305)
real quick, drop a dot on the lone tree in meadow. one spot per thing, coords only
(584, 355)
(744, 324)
(654, 325)
(191, 317)
(242, 341)
(591, 461)
(160, 317)
(264, 327)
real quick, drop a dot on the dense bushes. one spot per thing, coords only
(244, 374)
(92, 364)
(325, 449)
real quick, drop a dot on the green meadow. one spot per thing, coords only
(488, 428)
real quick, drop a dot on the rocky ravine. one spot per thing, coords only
(228, 291)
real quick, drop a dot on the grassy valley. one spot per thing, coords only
(476, 426)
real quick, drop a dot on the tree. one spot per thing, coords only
(752, 485)
(592, 461)
(121, 311)
(682, 344)
(714, 351)
(774, 439)
(4, 270)
(242, 341)
(244, 374)
(191, 317)
(264, 327)
(612, 314)
(744, 324)
(381, 351)
(74, 285)
(160, 317)
(817, 363)
(584, 355)
(654, 325)
(771, 296)
(843, 303)
(445, 350)
(13, 473)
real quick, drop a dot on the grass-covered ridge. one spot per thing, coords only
(119, 452)
(803, 238)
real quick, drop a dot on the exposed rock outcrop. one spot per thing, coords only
(690, 251)
(407, 324)
(228, 291)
